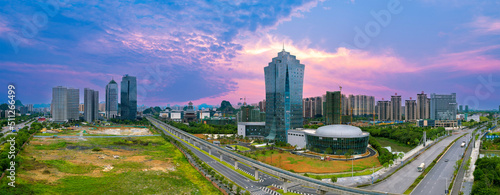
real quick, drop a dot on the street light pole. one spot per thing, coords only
(352, 167)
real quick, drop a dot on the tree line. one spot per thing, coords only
(22, 136)
(199, 128)
(487, 176)
(405, 134)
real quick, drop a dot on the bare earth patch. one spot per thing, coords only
(105, 160)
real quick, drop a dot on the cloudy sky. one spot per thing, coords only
(207, 51)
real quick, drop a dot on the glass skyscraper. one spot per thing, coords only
(111, 99)
(73, 102)
(444, 107)
(284, 83)
(128, 98)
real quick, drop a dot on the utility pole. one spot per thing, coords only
(352, 166)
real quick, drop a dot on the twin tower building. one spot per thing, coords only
(284, 78)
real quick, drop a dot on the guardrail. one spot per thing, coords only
(323, 187)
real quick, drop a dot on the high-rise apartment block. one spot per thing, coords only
(396, 114)
(312, 107)
(384, 110)
(358, 105)
(410, 110)
(128, 98)
(284, 78)
(423, 106)
(91, 105)
(64, 104)
(262, 106)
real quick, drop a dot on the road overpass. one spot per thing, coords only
(284, 175)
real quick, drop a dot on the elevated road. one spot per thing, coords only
(286, 176)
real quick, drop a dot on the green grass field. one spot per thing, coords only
(241, 148)
(147, 165)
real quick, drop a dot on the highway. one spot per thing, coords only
(252, 186)
(232, 175)
(439, 178)
(6, 129)
(321, 187)
(401, 180)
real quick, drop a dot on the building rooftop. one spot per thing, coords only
(339, 131)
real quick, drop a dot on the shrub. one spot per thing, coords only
(96, 149)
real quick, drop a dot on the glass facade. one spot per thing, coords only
(112, 99)
(338, 146)
(128, 97)
(284, 83)
(255, 130)
(444, 107)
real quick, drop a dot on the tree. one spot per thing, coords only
(347, 155)
(401, 155)
(338, 152)
(334, 179)
(386, 165)
(238, 190)
(329, 151)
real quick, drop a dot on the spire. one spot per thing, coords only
(283, 46)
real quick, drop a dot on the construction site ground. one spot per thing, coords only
(98, 131)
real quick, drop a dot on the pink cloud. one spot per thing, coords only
(486, 25)
(467, 62)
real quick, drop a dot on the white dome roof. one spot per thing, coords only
(339, 131)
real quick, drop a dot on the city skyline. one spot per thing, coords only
(455, 52)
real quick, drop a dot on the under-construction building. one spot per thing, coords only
(332, 108)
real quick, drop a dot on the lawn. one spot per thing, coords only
(339, 175)
(395, 146)
(241, 148)
(143, 165)
(301, 164)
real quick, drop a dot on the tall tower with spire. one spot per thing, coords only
(284, 85)
(112, 99)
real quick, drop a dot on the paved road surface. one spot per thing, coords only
(250, 185)
(234, 176)
(401, 180)
(6, 129)
(438, 179)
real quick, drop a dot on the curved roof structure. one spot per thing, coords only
(339, 131)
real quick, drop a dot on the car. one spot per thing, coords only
(445, 160)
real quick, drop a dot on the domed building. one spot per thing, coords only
(331, 139)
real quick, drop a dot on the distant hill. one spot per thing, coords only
(226, 107)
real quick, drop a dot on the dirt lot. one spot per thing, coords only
(124, 130)
(96, 162)
(120, 131)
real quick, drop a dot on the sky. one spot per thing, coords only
(209, 51)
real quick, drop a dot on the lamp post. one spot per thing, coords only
(352, 166)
